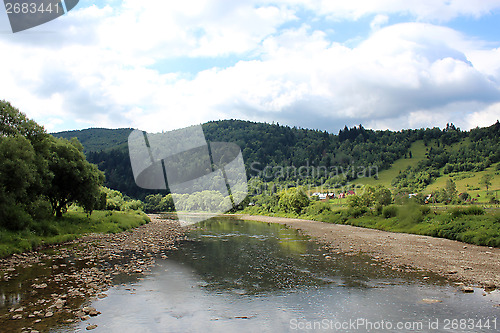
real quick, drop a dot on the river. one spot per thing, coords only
(242, 276)
(245, 276)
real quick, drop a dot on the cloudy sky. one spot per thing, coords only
(161, 64)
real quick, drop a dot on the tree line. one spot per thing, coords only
(41, 175)
(280, 147)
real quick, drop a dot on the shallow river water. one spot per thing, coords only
(242, 276)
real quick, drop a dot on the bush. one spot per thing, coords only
(44, 228)
(410, 214)
(356, 211)
(472, 210)
(317, 208)
(390, 211)
(425, 210)
(14, 217)
(40, 210)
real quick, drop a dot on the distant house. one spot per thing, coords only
(428, 198)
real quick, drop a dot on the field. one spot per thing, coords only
(385, 177)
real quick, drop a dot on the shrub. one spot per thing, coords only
(14, 217)
(390, 211)
(425, 210)
(40, 210)
(356, 211)
(44, 228)
(317, 208)
(473, 210)
(410, 214)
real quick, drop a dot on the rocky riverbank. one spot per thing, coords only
(53, 287)
(457, 261)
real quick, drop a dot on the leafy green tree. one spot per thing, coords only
(464, 196)
(448, 193)
(17, 175)
(167, 204)
(355, 201)
(152, 202)
(17, 167)
(451, 188)
(13, 122)
(369, 196)
(293, 200)
(75, 180)
(383, 196)
(486, 181)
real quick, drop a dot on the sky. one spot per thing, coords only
(159, 65)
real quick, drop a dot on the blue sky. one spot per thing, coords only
(160, 65)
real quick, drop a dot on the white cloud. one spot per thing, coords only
(379, 21)
(440, 10)
(485, 117)
(99, 66)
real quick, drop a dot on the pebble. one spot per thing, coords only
(466, 289)
(431, 301)
(85, 268)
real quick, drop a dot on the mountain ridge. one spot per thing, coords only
(265, 145)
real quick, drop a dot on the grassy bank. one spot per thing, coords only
(470, 224)
(72, 225)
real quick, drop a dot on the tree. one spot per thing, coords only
(450, 190)
(464, 196)
(152, 202)
(486, 181)
(368, 197)
(75, 180)
(355, 201)
(167, 204)
(383, 196)
(13, 122)
(293, 200)
(17, 167)
(17, 175)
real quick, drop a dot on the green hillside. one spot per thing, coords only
(98, 139)
(407, 161)
(385, 177)
(466, 181)
(470, 182)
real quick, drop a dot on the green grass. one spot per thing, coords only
(469, 224)
(469, 182)
(385, 177)
(71, 226)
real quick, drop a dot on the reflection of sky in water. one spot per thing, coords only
(201, 288)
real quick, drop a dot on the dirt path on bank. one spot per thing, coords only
(473, 264)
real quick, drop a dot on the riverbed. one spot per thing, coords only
(229, 275)
(247, 276)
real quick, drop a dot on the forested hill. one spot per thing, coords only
(99, 139)
(276, 145)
